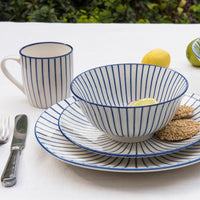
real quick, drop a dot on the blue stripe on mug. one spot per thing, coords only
(47, 80)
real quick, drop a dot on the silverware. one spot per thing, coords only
(8, 177)
(4, 129)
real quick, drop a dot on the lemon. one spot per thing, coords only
(143, 102)
(130, 103)
(190, 55)
(158, 57)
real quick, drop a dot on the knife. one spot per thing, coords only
(8, 177)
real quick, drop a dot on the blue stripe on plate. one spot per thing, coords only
(51, 139)
(75, 126)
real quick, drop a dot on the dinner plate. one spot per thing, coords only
(74, 125)
(52, 140)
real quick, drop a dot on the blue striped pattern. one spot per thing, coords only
(196, 49)
(47, 80)
(51, 139)
(104, 92)
(75, 126)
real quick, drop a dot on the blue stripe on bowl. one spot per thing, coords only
(76, 128)
(120, 96)
(104, 92)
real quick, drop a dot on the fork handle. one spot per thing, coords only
(8, 177)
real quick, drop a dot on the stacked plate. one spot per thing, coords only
(64, 132)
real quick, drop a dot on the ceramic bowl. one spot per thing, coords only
(196, 48)
(105, 91)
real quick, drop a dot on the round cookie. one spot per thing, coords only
(183, 111)
(180, 129)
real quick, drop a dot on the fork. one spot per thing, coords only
(4, 129)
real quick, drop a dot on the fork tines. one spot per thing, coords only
(4, 129)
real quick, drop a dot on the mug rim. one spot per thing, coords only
(45, 57)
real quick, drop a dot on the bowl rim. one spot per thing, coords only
(127, 107)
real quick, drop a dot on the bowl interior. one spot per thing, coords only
(116, 85)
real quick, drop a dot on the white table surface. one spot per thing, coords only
(40, 175)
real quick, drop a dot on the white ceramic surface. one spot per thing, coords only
(47, 71)
(51, 139)
(104, 92)
(75, 127)
(196, 48)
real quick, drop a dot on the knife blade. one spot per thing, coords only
(8, 177)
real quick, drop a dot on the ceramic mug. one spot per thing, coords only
(47, 71)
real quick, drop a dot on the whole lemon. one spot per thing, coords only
(158, 57)
(190, 55)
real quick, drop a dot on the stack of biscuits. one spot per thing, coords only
(181, 127)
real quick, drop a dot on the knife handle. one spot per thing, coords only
(8, 177)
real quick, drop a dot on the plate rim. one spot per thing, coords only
(123, 155)
(106, 168)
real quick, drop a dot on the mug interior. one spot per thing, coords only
(46, 50)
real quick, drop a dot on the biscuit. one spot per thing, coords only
(180, 129)
(183, 111)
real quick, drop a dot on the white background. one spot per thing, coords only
(41, 176)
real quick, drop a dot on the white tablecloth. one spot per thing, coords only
(41, 176)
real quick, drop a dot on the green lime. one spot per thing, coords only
(190, 55)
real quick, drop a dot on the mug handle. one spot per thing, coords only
(8, 74)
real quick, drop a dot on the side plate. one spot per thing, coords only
(75, 127)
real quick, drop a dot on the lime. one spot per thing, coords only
(190, 55)
(158, 57)
(143, 102)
